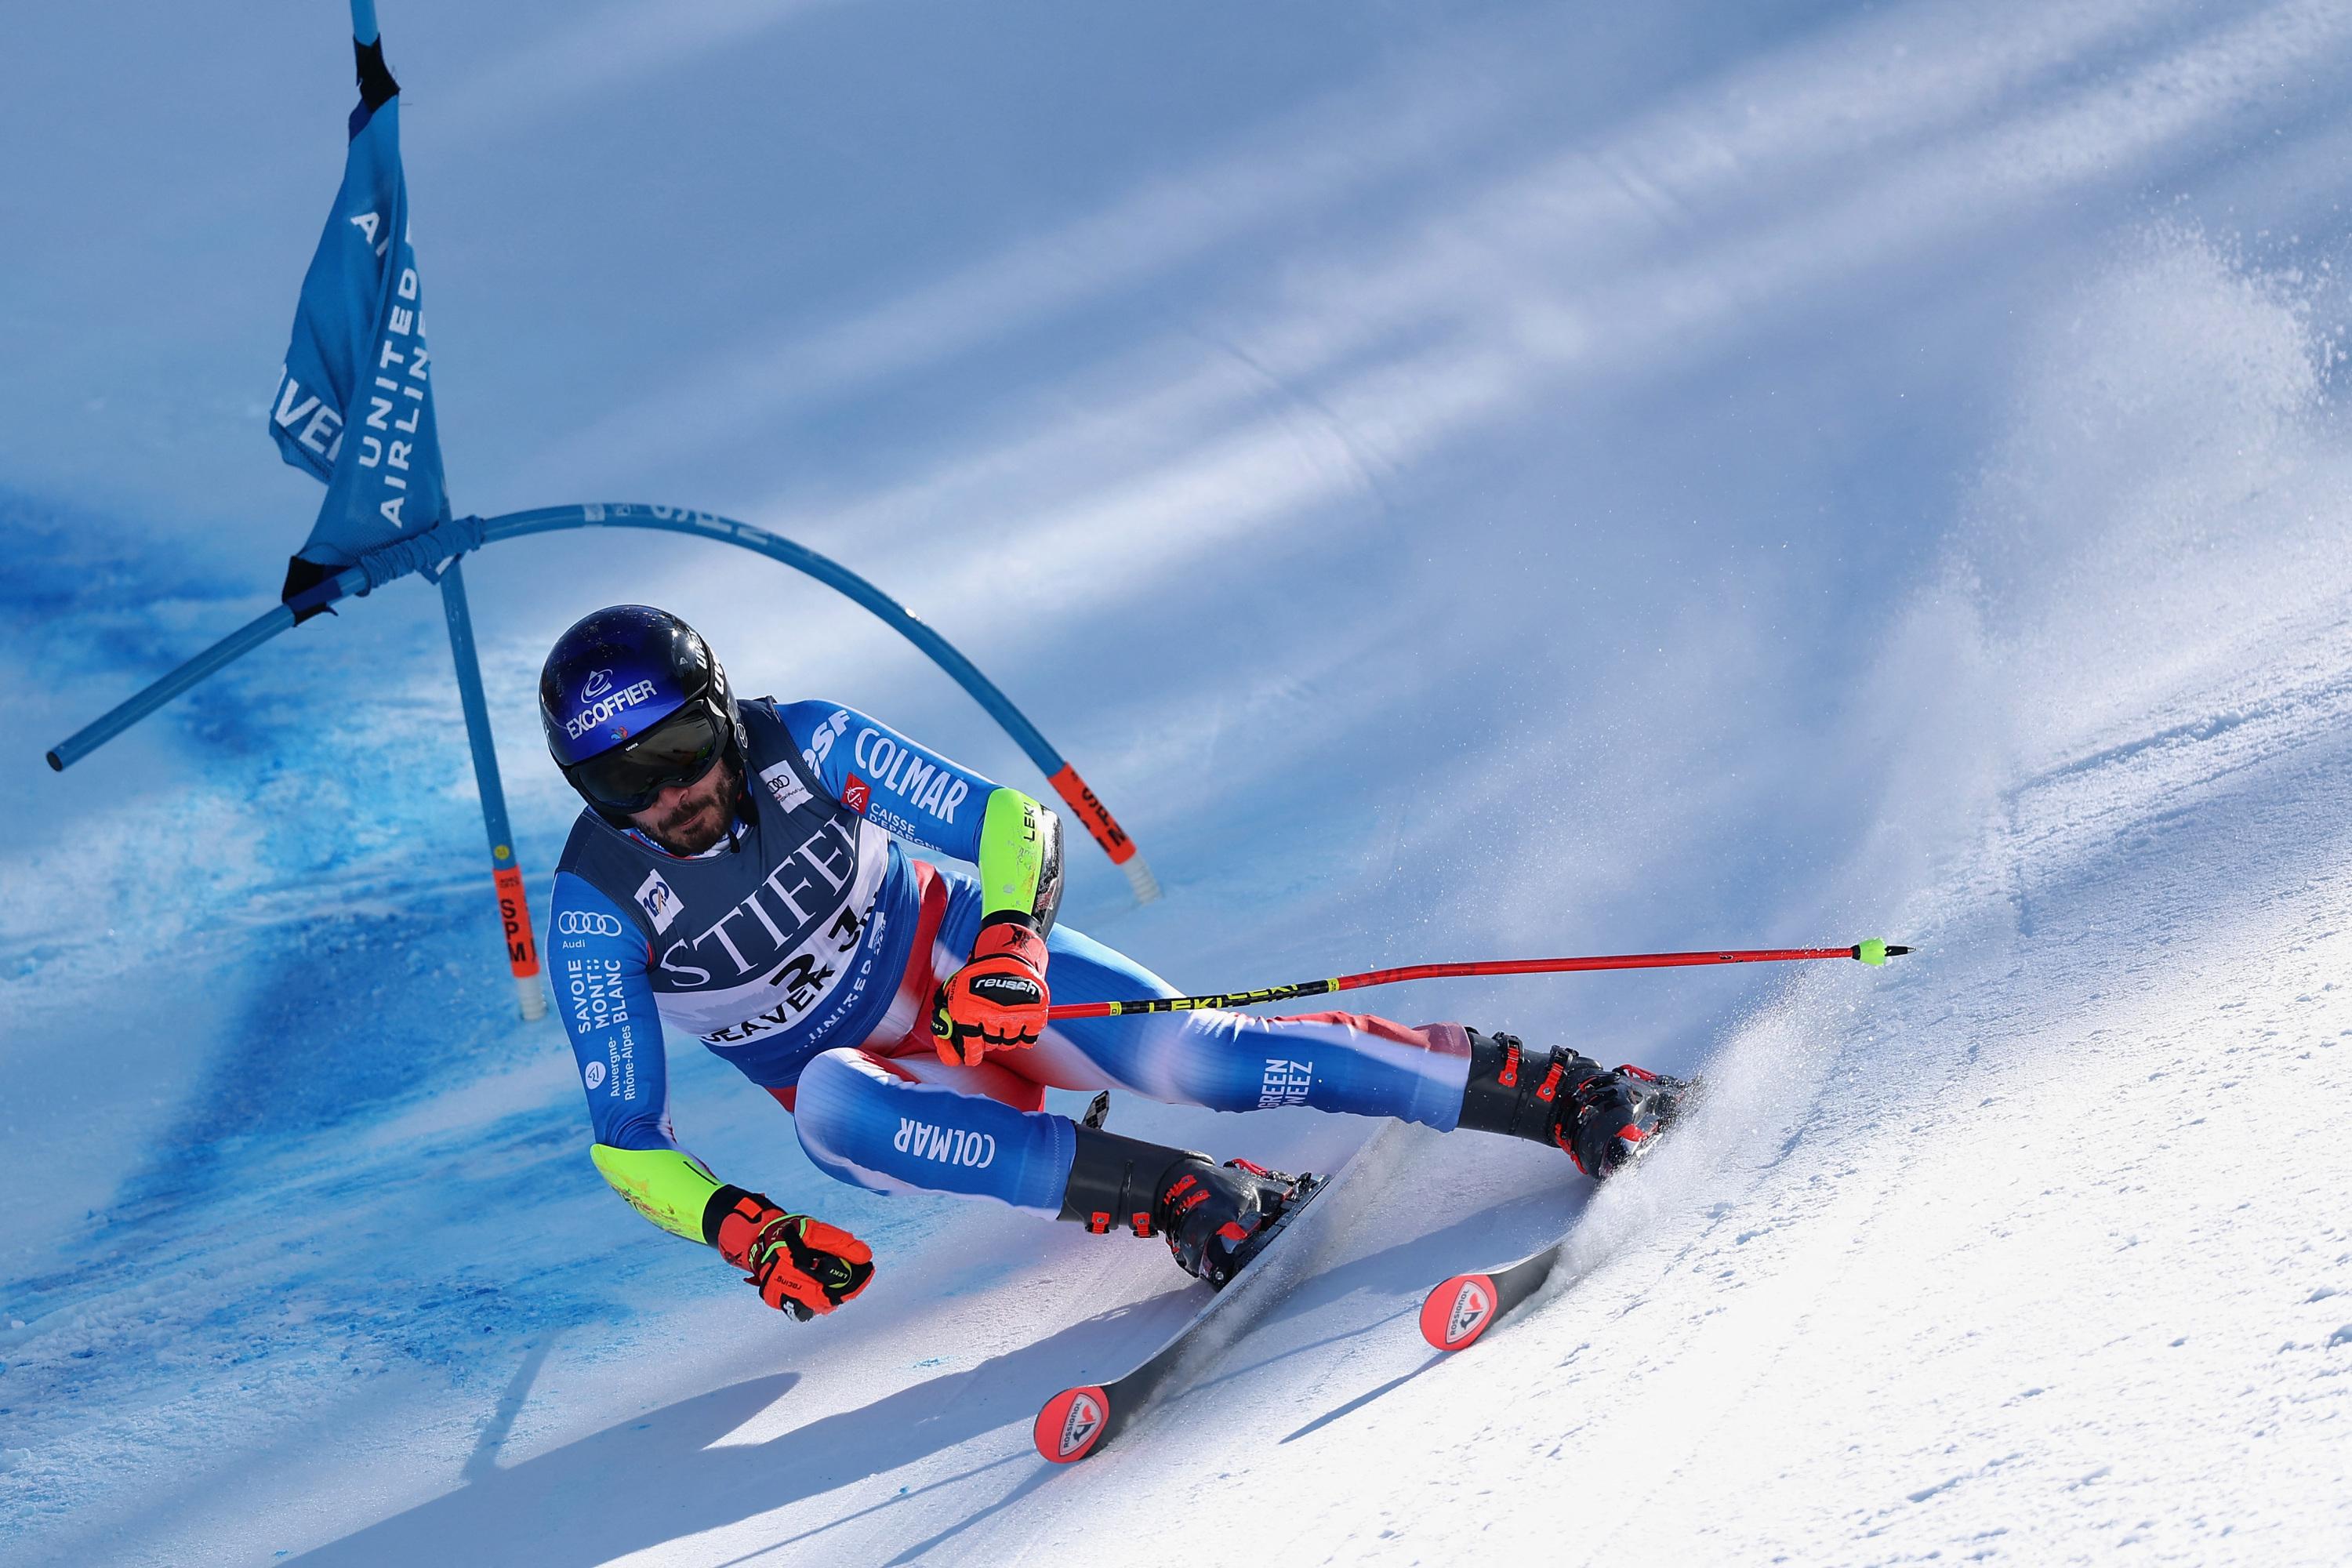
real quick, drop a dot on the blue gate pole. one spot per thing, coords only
(514, 909)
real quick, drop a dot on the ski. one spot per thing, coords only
(1455, 1313)
(1461, 1309)
(1079, 1420)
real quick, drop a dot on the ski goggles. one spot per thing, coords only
(631, 776)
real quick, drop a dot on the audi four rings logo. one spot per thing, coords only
(599, 682)
(587, 923)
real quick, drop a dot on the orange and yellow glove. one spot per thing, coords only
(997, 1001)
(798, 1265)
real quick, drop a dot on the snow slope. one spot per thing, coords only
(1609, 483)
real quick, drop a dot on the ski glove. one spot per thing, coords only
(997, 1001)
(798, 1265)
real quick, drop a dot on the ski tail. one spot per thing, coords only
(1453, 1315)
(1072, 1422)
(1458, 1311)
(1465, 1307)
(1080, 1419)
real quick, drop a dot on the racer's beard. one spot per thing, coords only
(699, 818)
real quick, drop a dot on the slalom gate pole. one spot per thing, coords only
(506, 872)
(1872, 951)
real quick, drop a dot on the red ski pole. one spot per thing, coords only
(1872, 951)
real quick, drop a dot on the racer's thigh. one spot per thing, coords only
(1236, 1061)
(1349, 1062)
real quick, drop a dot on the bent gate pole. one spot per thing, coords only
(427, 553)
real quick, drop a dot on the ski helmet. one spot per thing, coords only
(633, 701)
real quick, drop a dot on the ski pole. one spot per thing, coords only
(1872, 951)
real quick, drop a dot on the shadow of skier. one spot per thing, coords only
(655, 1476)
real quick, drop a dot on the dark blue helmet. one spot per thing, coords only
(633, 701)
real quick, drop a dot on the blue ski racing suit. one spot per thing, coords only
(804, 948)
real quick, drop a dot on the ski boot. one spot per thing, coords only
(1210, 1214)
(1604, 1120)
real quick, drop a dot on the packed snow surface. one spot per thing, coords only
(1480, 480)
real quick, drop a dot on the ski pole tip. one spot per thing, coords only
(1875, 952)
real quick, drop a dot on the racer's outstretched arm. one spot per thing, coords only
(607, 1005)
(924, 798)
(997, 1001)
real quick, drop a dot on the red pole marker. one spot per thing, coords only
(1099, 821)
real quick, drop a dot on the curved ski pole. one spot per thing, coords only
(1872, 951)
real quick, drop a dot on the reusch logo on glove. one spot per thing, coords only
(1005, 990)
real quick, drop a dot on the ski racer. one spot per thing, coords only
(737, 875)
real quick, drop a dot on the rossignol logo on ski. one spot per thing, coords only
(1472, 1305)
(1080, 1425)
(1461, 1309)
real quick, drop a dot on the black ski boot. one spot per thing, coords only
(1603, 1119)
(1209, 1213)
